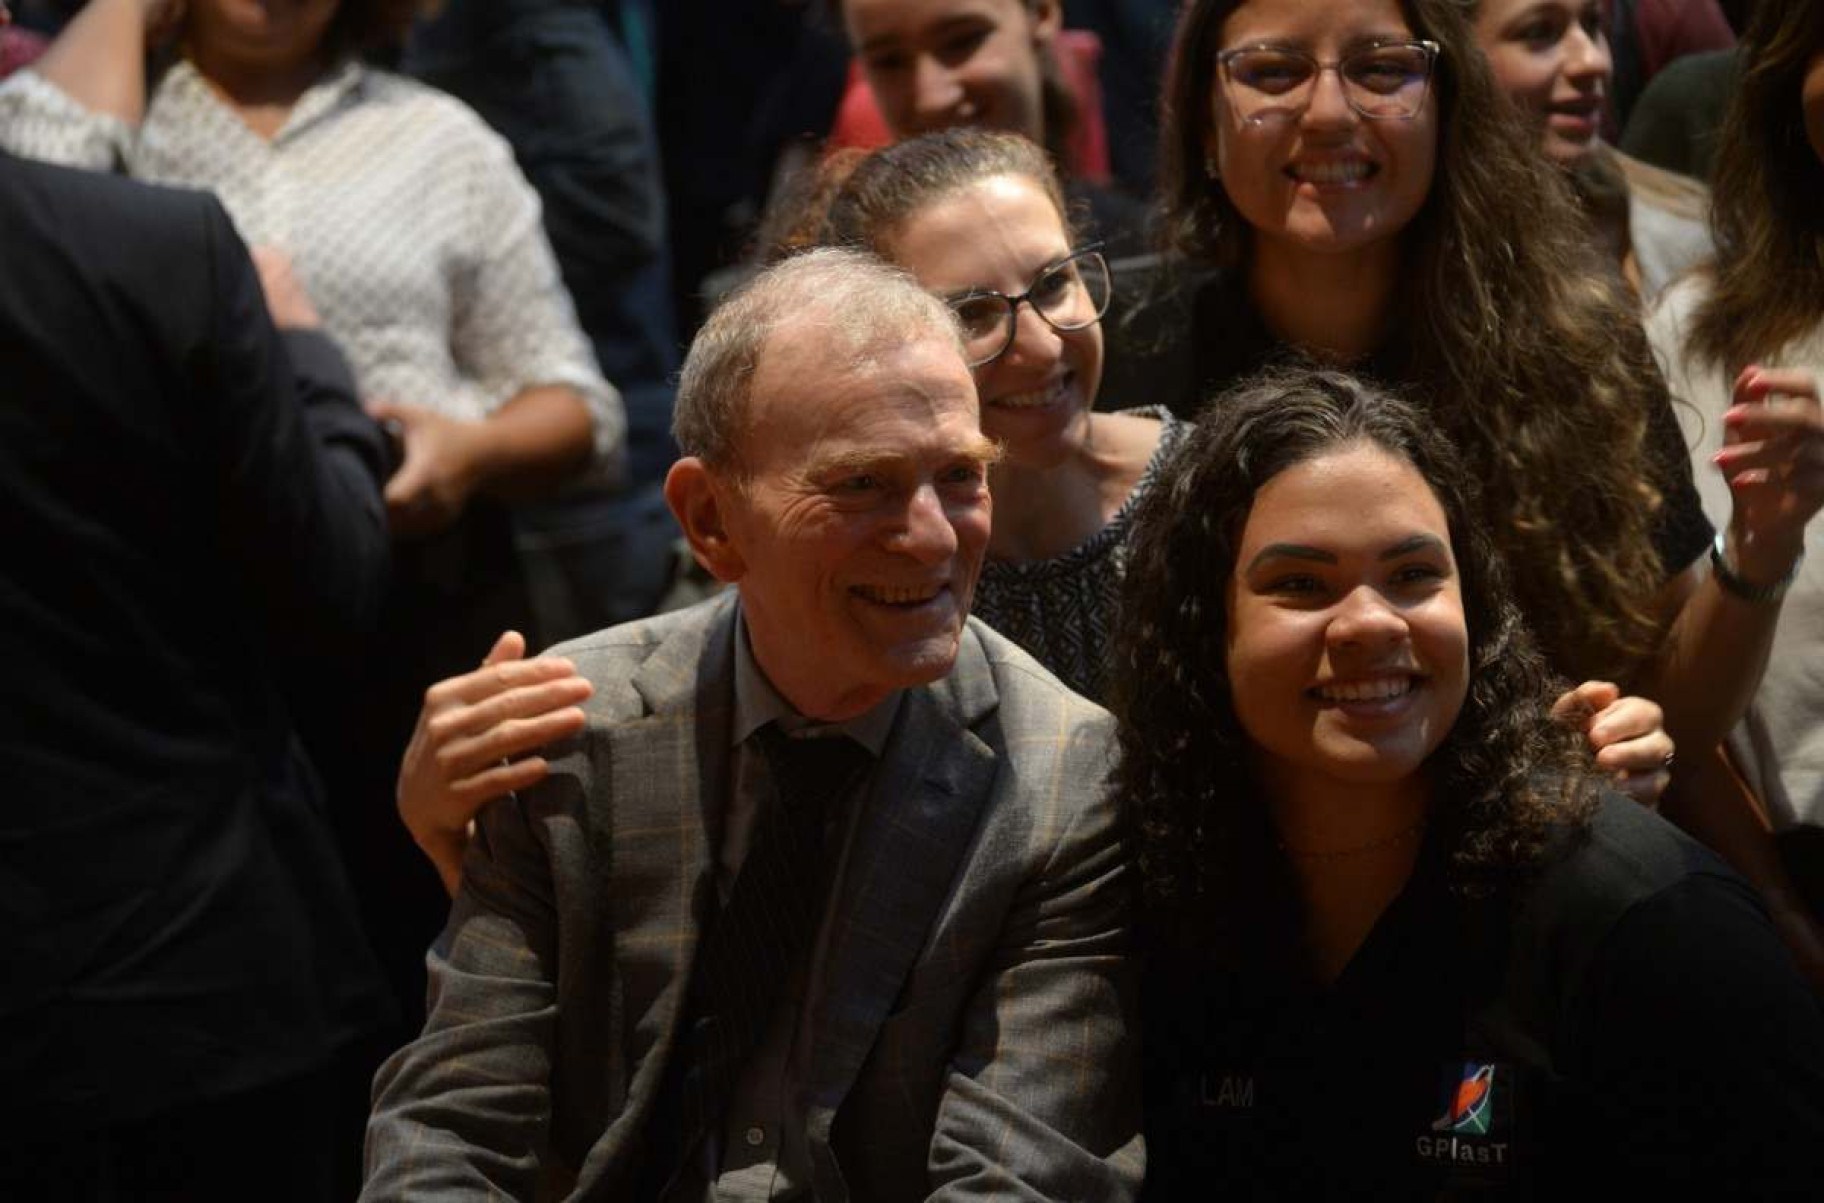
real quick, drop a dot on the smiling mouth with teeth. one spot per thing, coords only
(1038, 398)
(1345, 172)
(1377, 689)
(899, 595)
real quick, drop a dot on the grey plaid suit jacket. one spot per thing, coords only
(972, 1037)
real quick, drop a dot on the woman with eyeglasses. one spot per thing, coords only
(1402, 942)
(1367, 198)
(978, 218)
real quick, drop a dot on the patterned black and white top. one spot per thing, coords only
(406, 219)
(1062, 610)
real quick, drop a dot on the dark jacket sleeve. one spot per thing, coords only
(301, 464)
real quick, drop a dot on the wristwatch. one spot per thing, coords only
(1747, 590)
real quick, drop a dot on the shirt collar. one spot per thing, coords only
(337, 85)
(757, 703)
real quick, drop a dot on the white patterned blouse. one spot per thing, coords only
(406, 218)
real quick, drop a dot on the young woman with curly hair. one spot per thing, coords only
(1366, 196)
(1749, 330)
(1401, 939)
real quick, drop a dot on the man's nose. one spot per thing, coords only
(926, 533)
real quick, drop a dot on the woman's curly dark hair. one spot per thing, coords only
(1507, 775)
(1523, 344)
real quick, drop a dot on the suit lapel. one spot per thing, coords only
(669, 773)
(929, 792)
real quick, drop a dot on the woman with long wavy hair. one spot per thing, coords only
(1752, 327)
(1552, 57)
(1402, 940)
(1366, 196)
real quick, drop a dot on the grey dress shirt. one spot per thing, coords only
(761, 1153)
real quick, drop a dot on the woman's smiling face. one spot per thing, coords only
(935, 64)
(999, 234)
(1325, 179)
(1348, 652)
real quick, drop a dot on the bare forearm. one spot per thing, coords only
(533, 442)
(99, 60)
(1710, 663)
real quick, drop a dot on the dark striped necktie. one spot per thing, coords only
(755, 943)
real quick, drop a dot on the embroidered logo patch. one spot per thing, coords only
(1469, 1098)
(1473, 1133)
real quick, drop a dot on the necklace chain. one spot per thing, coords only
(1387, 841)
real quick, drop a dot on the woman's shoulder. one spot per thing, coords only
(1139, 441)
(1617, 891)
(1141, 433)
(1624, 856)
(430, 110)
(1667, 191)
(1650, 974)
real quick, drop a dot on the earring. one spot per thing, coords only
(1209, 165)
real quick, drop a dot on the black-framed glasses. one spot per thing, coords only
(1071, 294)
(1383, 81)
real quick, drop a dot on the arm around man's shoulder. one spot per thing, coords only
(464, 1111)
(470, 1109)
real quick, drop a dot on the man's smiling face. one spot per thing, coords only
(861, 516)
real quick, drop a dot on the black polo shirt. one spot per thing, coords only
(1632, 1023)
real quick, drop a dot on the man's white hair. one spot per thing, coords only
(859, 306)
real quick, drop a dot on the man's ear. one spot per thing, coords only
(700, 499)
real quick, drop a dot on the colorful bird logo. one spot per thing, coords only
(1467, 1109)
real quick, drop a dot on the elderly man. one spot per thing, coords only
(826, 900)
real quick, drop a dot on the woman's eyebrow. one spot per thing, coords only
(1412, 543)
(1291, 551)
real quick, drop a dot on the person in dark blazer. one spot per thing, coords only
(190, 510)
(951, 1021)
